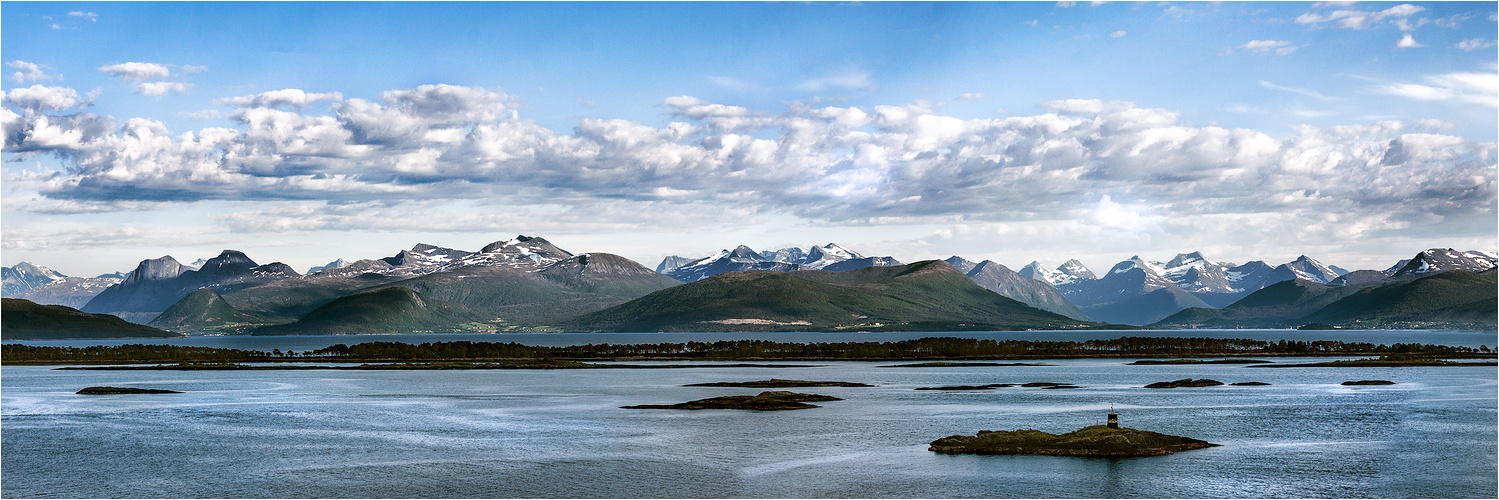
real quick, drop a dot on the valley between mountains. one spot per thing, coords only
(527, 284)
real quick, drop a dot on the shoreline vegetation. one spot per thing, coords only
(511, 355)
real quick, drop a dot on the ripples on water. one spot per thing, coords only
(561, 433)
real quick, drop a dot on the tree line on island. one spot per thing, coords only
(917, 349)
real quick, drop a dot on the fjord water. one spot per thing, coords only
(561, 433)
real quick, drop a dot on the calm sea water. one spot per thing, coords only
(536, 433)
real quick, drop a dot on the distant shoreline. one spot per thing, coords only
(917, 350)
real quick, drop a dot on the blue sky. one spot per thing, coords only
(1356, 133)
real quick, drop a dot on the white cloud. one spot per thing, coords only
(971, 96)
(1117, 34)
(42, 98)
(27, 72)
(1358, 19)
(1408, 42)
(162, 88)
(889, 164)
(293, 98)
(1473, 44)
(86, 15)
(137, 71)
(1066, 4)
(1265, 46)
(1472, 88)
(1309, 93)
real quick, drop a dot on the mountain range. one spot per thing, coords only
(1446, 293)
(528, 284)
(923, 296)
(829, 257)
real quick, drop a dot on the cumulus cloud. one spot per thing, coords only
(1131, 166)
(137, 71)
(162, 88)
(1408, 42)
(1358, 19)
(42, 98)
(27, 72)
(290, 98)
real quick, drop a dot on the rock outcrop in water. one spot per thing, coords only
(124, 390)
(765, 401)
(780, 382)
(1186, 382)
(1093, 441)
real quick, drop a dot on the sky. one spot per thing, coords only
(1355, 133)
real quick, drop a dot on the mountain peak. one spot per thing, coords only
(161, 268)
(1182, 259)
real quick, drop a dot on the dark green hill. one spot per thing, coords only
(930, 295)
(205, 311)
(1461, 299)
(22, 319)
(580, 284)
(388, 310)
(287, 300)
(1453, 299)
(1276, 306)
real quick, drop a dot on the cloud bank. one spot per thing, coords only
(842, 165)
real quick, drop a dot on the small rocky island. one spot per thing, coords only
(779, 382)
(124, 390)
(1095, 441)
(1229, 361)
(1186, 382)
(765, 401)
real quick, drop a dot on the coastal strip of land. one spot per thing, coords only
(943, 349)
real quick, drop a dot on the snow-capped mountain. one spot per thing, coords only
(1132, 292)
(1030, 291)
(1068, 272)
(789, 255)
(1303, 267)
(1249, 275)
(331, 265)
(1438, 260)
(196, 264)
(25, 276)
(741, 258)
(671, 262)
(826, 255)
(1194, 273)
(861, 263)
(523, 252)
(829, 257)
(962, 264)
(71, 291)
